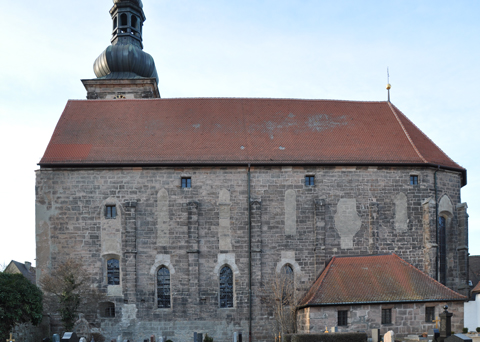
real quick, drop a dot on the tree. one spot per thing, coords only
(68, 291)
(20, 302)
(281, 297)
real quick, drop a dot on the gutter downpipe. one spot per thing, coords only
(436, 224)
(249, 259)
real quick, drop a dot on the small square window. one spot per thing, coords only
(186, 182)
(309, 180)
(413, 180)
(429, 314)
(386, 316)
(342, 318)
(110, 211)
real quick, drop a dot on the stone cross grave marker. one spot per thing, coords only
(389, 336)
(436, 321)
(11, 338)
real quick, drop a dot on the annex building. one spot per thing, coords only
(186, 210)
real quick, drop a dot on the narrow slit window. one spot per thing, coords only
(413, 180)
(186, 182)
(226, 287)
(429, 314)
(342, 318)
(287, 285)
(442, 239)
(163, 288)
(113, 272)
(110, 211)
(386, 316)
(309, 180)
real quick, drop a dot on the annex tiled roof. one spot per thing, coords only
(238, 130)
(375, 279)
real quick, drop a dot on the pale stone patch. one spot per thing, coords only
(401, 215)
(163, 223)
(347, 221)
(290, 212)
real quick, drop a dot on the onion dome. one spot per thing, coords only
(125, 58)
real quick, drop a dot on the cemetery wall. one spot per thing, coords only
(407, 318)
(194, 232)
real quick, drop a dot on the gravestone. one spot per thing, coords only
(235, 337)
(83, 339)
(445, 324)
(433, 335)
(389, 336)
(69, 337)
(376, 335)
(458, 338)
(152, 338)
(240, 336)
(334, 329)
(56, 338)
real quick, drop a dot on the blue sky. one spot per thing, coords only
(281, 49)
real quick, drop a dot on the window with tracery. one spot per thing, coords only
(163, 288)
(226, 287)
(113, 272)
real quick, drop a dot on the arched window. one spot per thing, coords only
(163, 288)
(134, 22)
(113, 272)
(287, 284)
(226, 287)
(442, 244)
(123, 20)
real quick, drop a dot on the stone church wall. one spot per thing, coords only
(194, 232)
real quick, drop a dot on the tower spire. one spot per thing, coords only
(123, 69)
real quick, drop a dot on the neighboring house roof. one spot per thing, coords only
(375, 279)
(17, 267)
(238, 130)
(476, 289)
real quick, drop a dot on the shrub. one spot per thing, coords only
(465, 330)
(478, 329)
(207, 338)
(97, 337)
(335, 337)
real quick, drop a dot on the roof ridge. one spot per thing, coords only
(225, 98)
(428, 138)
(426, 275)
(406, 133)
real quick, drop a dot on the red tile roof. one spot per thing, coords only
(375, 279)
(236, 130)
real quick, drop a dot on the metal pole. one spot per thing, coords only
(249, 261)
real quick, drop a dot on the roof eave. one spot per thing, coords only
(384, 302)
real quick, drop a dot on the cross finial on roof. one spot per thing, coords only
(11, 338)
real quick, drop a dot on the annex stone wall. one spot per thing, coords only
(194, 232)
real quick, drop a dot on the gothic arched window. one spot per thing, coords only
(442, 244)
(287, 284)
(163, 288)
(226, 287)
(113, 272)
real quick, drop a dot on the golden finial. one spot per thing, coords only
(389, 86)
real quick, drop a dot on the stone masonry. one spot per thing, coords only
(194, 232)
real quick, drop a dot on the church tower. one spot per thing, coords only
(124, 70)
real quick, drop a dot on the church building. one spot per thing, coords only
(186, 210)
